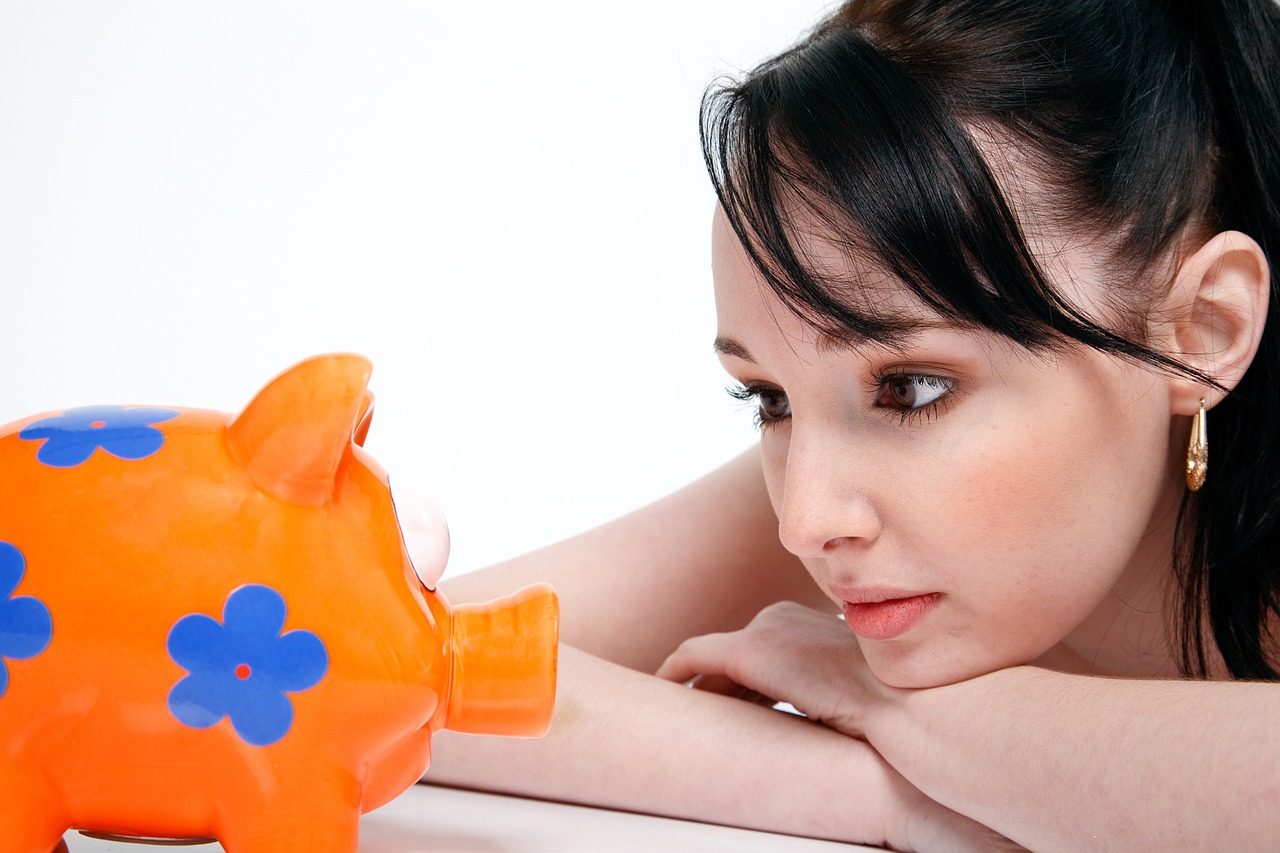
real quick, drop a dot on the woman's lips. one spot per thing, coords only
(888, 618)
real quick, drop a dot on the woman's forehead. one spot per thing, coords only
(870, 290)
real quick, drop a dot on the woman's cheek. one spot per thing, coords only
(1018, 487)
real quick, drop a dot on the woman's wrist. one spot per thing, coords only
(896, 715)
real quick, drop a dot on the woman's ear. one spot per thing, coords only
(1218, 305)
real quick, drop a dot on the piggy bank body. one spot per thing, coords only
(212, 626)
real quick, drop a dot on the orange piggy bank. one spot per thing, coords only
(217, 627)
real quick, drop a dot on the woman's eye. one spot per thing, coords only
(912, 392)
(772, 404)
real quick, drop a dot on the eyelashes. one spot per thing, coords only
(914, 396)
(771, 404)
(910, 397)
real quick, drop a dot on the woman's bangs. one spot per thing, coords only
(835, 133)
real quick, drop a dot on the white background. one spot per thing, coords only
(502, 204)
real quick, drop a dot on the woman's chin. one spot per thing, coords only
(918, 669)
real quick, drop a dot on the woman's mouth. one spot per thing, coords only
(888, 618)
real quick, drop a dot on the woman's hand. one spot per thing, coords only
(788, 653)
(811, 660)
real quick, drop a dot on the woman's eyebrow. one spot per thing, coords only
(728, 346)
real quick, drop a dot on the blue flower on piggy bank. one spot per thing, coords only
(244, 667)
(72, 437)
(25, 624)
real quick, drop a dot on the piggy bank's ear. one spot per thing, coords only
(294, 434)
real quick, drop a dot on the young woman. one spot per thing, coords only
(988, 268)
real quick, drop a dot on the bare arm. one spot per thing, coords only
(1054, 761)
(1072, 762)
(704, 559)
(627, 740)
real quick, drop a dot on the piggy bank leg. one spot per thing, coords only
(31, 820)
(24, 829)
(19, 836)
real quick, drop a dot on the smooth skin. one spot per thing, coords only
(1033, 501)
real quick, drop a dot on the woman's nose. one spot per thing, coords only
(826, 503)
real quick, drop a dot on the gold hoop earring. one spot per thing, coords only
(1197, 451)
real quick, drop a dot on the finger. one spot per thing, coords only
(676, 670)
(725, 686)
(692, 658)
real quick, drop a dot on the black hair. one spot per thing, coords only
(1148, 121)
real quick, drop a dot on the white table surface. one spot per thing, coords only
(426, 819)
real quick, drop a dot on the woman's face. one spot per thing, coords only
(969, 504)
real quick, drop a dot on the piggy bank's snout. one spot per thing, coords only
(503, 675)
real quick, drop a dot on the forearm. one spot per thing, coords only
(1067, 762)
(627, 740)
